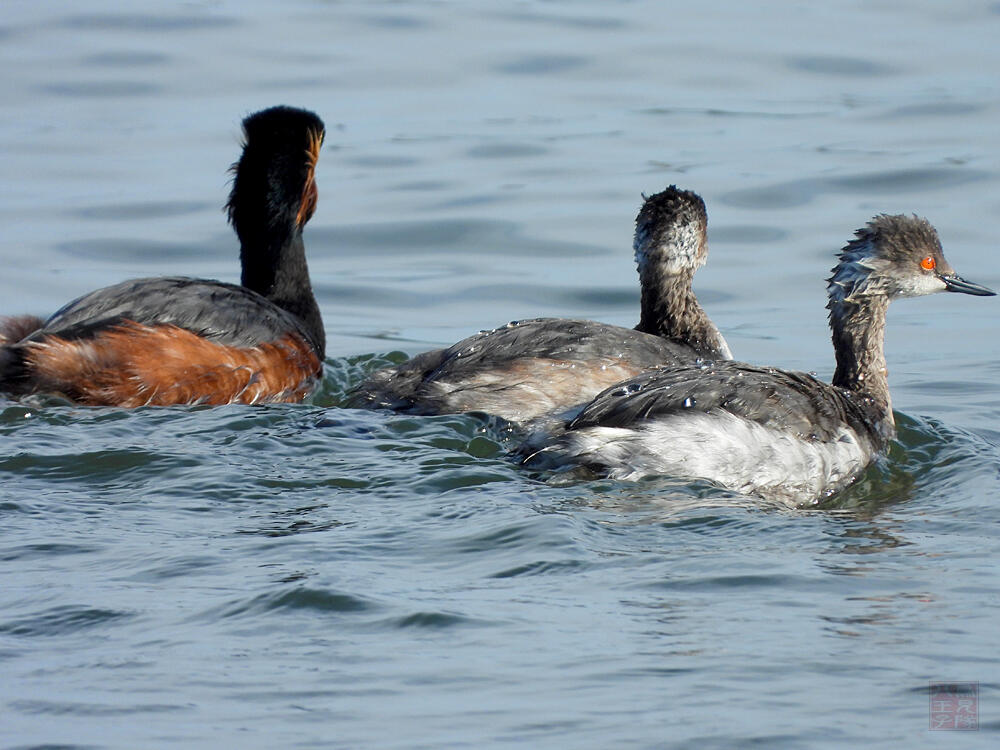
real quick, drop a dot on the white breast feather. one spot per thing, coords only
(736, 453)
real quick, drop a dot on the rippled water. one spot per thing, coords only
(311, 576)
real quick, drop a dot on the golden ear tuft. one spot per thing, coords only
(312, 149)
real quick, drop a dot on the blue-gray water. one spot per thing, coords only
(307, 576)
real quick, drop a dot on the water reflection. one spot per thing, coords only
(833, 65)
(101, 89)
(125, 59)
(894, 182)
(147, 23)
(140, 211)
(542, 64)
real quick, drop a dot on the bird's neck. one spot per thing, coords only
(671, 310)
(274, 266)
(858, 329)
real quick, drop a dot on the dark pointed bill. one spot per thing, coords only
(958, 284)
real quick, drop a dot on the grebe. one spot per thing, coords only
(759, 430)
(177, 340)
(529, 368)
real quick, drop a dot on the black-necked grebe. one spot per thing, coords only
(547, 365)
(177, 340)
(758, 430)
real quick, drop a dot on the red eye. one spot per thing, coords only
(928, 263)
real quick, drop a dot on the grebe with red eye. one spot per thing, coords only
(758, 430)
(531, 368)
(178, 340)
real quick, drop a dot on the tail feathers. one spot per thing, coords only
(397, 388)
(13, 329)
(11, 370)
(383, 390)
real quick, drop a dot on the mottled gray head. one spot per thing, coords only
(670, 232)
(895, 256)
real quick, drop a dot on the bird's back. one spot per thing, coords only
(789, 401)
(227, 314)
(520, 371)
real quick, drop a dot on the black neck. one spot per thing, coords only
(275, 267)
(858, 341)
(671, 310)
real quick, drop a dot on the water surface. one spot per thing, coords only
(311, 576)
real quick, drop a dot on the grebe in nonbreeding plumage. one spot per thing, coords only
(760, 430)
(530, 368)
(178, 340)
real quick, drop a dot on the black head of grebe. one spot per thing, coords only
(764, 431)
(171, 340)
(671, 243)
(534, 367)
(274, 194)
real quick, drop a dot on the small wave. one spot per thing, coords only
(62, 621)
(300, 599)
(94, 465)
(431, 620)
(927, 458)
(43, 550)
(541, 567)
(72, 708)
